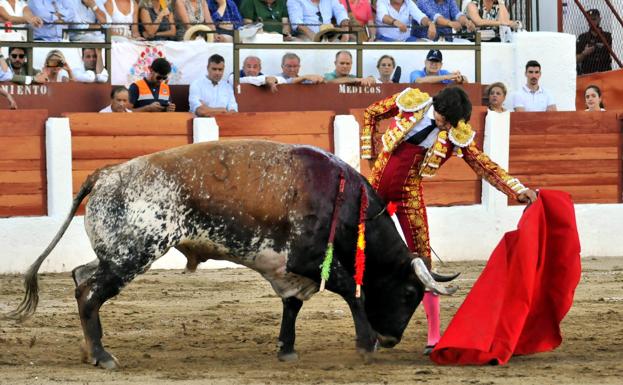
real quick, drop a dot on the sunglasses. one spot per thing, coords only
(160, 77)
(319, 16)
(15, 55)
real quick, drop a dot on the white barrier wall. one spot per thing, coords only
(457, 233)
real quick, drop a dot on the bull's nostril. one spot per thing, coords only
(387, 342)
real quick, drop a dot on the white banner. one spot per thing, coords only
(189, 59)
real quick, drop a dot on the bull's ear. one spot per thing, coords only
(422, 273)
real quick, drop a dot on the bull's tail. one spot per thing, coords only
(31, 298)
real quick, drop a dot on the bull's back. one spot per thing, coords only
(250, 180)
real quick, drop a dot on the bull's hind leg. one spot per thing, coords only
(287, 335)
(97, 282)
(95, 285)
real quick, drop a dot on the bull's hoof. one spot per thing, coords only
(368, 357)
(288, 357)
(109, 363)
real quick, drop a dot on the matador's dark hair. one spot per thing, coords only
(453, 104)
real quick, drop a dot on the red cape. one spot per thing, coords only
(525, 290)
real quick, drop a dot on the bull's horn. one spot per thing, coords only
(421, 271)
(444, 278)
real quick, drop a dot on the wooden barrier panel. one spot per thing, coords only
(455, 183)
(105, 139)
(306, 127)
(577, 152)
(22, 163)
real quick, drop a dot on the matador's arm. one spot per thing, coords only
(372, 115)
(492, 172)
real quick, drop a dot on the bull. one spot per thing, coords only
(264, 205)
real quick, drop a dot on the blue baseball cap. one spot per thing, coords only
(434, 55)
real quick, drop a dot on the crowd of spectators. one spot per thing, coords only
(386, 20)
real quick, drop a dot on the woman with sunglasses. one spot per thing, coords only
(56, 69)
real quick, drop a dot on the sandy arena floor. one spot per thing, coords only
(221, 327)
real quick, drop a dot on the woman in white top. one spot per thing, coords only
(593, 99)
(16, 12)
(120, 12)
(488, 14)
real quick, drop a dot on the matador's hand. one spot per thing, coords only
(528, 196)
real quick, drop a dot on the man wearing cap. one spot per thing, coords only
(152, 93)
(591, 53)
(432, 72)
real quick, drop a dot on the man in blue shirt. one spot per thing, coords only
(55, 14)
(447, 16)
(306, 17)
(211, 94)
(432, 72)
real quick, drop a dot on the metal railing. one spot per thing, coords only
(30, 44)
(359, 46)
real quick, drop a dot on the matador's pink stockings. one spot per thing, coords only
(431, 307)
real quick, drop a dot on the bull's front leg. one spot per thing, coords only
(341, 282)
(287, 334)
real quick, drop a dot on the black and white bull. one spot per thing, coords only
(264, 205)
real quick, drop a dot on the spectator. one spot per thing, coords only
(56, 68)
(189, 12)
(496, 93)
(446, 14)
(226, 17)
(385, 66)
(531, 96)
(489, 15)
(361, 12)
(92, 14)
(55, 14)
(251, 73)
(152, 93)
(211, 94)
(157, 21)
(93, 70)
(12, 104)
(17, 13)
(123, 18)
(433, 73)
(17, 64)
(273, 14)
(341, 74)
(592, 97)
(290, 65)
(119, 100)
(395, 17)
(5, 72)
(307, 16)
(591, 53)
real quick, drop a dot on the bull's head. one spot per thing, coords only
(391, 301)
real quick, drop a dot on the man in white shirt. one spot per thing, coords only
(531, 96)
(119, 100)
(251, 73)
(93, 70)
(211, 94)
